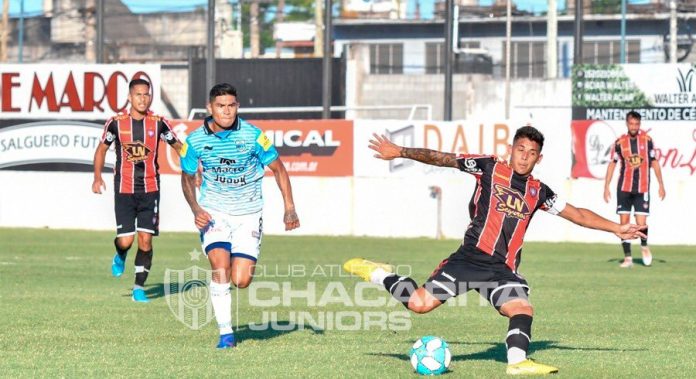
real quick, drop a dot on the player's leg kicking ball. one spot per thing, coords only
(376, 273)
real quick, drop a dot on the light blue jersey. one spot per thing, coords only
(233, 164)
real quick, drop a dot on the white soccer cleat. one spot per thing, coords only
(627, 263)
(647, 256)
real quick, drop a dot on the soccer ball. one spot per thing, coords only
(430, 356)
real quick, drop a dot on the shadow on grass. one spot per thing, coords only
(636, 261)
(157, 290)
(272, 329)
(498, 352)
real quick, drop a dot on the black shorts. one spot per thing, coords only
(138, 211)
(639, 202)
(469, 269)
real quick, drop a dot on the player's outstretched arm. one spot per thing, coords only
(588, 219)
(99, 157)
(188, 186)
(388, 150)
(283, 180)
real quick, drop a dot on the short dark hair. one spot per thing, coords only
(221, 89)
(137, 82)
(633, 114)
(531, 133)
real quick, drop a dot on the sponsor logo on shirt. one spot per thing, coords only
(136, 151)
(635, 160)
(511, 202)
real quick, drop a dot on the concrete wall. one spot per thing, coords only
(375, 201)
(175, 84)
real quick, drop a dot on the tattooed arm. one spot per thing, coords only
(387, 150)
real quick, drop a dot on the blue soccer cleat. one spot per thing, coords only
(139, 296)
(226, 341)
(118, 265)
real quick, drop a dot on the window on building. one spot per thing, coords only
(435, 57)
(527, 59)
(609, 52)
(386, 58)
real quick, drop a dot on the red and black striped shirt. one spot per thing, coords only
(136, 169)
(636, 154)
(501, 207)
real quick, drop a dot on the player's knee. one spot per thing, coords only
(124, 243)
(518, 309)
(144, 243)
(418, 305)
(241, 283)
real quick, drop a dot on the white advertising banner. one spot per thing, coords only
(50, 142)
(663, 94)
(459, 137)
(71, 91)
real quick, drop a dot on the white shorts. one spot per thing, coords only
(240, 235)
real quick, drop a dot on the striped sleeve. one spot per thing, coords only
(189, 158)
(110, 132)
(166, 131)
(651, 151)
(474, 163)
(267, 153)
(551, 202)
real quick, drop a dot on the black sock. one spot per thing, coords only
(121, 252)
(519, 336)
(401, 287)
(644, 241)
(626, 248)
(143, 262)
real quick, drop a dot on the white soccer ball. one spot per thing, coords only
(430, 356)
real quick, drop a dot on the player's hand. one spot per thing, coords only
(291, 220)
(607, 195)
(98, 186)
(631, 231)
(385, 148)
(662, 193)
(202, 219)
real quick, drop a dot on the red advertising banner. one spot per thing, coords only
(592, 144)
(307, 147)
(71, 91)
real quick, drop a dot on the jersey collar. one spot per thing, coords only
(235, 127)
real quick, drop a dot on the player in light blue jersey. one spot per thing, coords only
(233, 154)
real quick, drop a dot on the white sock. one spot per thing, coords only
(378, 275)
(515, 355)
(222, 306)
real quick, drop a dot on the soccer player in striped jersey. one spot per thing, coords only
(137, 135)
(635, 152)
(233, 154)
(505, 198)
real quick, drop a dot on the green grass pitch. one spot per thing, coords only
(63, 315)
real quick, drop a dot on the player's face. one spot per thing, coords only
(524, 155)
(224, 110)
(633, 125)
(139, 97)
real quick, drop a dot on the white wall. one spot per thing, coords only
(394, 207)
(374, 202)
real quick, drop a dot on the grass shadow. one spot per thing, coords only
(496, 351)
(157, 290)
(272, 329)
(636, 261)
